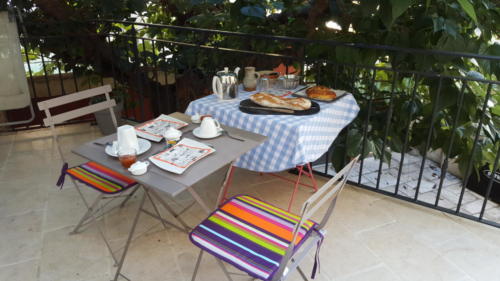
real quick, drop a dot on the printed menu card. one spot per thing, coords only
(153, 130)
(181, 156)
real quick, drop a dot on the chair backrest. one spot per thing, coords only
(327, 194)
(52, 120)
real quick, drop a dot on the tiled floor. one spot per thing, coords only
(472, 202)
(371, 237)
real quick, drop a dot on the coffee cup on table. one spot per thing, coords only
(209, 127)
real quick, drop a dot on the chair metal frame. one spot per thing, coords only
(327, 194)
(52, 120)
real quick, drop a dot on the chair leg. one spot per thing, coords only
(129, 196)
(302, 274)
(88, 214)
(101, 233)
(224, 269)
(198, 261)
(129, 239)
(80, 192)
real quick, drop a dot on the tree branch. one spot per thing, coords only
(315, 14)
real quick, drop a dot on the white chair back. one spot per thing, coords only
(328, 193)
(53, 120)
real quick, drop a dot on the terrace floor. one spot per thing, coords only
(371, 237)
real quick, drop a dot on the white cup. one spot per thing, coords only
(209, 127)
(196, 118)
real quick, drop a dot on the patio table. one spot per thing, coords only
(292, 140)
(157, 181)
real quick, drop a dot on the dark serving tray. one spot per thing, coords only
(340, 94)
(261, 110)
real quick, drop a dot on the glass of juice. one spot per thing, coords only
(127, 156)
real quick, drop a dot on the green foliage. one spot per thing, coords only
(447, 25)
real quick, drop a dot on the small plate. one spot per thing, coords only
(144, 145)
(196, 133)
(302, 94)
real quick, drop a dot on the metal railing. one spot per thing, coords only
(413, 102)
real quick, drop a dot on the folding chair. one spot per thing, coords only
(110, 184)
(14, 93)
(266, 242)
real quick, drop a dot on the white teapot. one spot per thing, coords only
(225, 84)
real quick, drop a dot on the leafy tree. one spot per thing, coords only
(446, 25)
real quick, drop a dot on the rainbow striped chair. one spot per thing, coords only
(264, 241)
(109, 184)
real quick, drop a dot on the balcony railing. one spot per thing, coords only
(428, 126)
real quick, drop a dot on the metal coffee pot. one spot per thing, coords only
(225, 84)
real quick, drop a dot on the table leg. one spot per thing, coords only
(169, 209)
(155, 209)
(225, 186)
(130, 235)
(296, 186)
(198, 199)
(222, 191)
(310, 174)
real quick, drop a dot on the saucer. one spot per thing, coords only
(144, 145)
(196, 133)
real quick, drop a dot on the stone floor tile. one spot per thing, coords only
(65, 207)
(151, 257)
(23, 271)
(478, 259)
(119, 220)
(475, 207)
(380, 272)
(23, 196)
(21, 237)
(413, 260)
(492, 214)
(73, 257)
(367, 214)
(347, 254)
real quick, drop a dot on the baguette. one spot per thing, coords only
(270, 100)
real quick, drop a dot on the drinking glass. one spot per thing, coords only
(127, 156)
(263, 84)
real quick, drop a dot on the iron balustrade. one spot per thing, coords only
(377, 106)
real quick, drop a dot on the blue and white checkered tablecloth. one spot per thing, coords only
(292, 140)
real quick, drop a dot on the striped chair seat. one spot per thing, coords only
(249, 234)
(99, 178)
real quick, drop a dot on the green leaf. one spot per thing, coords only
(496, 110)
(399, 7)
(354, 142)
(469, 9)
